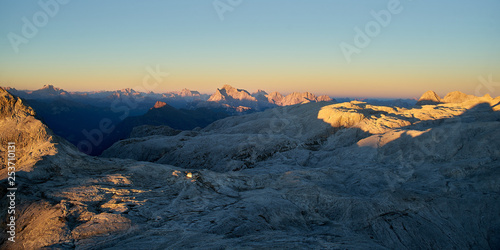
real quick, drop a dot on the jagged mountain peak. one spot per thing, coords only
(228, 87)
(229, 93)
(127, 90)
(295, 98)
(260, 92)
(50, 90)
(260, 95)
(8, 88)
(232, 90)
(306, 95)
(429, 98)
(12, 106)
(324, 98)
(48, 86)
(188, 93)
(159, 104)
(276, 94)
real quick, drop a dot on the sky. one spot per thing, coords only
(276, 45)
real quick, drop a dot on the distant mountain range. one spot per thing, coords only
(228, 97)
(238, 100)
(77, 115)
(141, 100)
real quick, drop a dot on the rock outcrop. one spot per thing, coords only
(159, 104)
(33, 140)
(457, 97)
(429, 98)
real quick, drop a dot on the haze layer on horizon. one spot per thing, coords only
(273, 45)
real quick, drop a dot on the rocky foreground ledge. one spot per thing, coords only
(317, 175)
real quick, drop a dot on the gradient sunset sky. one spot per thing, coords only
(275, 45)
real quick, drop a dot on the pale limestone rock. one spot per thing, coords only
(429, 98)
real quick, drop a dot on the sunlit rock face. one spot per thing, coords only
(316, 175)
(228, 93)
(429, 98)
(295, 98)
(243, 101)
(18, 124)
